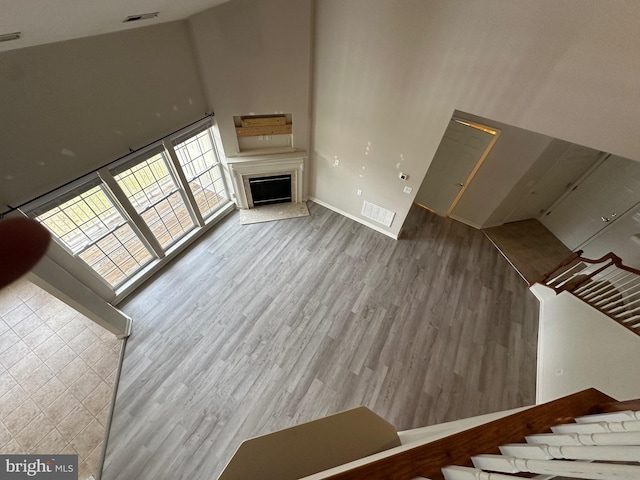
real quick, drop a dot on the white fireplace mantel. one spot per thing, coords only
(241, 168)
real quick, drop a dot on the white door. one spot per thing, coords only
(561, 177)
(605, 195)
(623, 239)
(462, 149)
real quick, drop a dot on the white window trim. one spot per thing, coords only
(160, 256)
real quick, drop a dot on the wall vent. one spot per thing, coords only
(142, 16)
(7, 37)
(379, 214)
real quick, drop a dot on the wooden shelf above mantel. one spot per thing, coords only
(260, 130)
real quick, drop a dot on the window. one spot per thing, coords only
(152, 190)
(201, 167)
(134, 210)
(90, 226)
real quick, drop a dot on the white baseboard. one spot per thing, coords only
(354, 218)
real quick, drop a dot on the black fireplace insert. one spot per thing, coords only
(271, 189)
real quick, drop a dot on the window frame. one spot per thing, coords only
(132, 161)
(75, 190)
(103, 177)
(216, 166)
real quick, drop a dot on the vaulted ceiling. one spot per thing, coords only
(47, 21)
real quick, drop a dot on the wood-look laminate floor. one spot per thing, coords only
(529, 246)
(260, 327)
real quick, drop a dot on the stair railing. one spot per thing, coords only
(569, 437)
(599, 447)
(606, 284)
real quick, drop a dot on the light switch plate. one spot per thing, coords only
(407, 190)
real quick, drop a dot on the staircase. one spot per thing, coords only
(577, 436)
(470, 454)
(606, 284)
(600, 446)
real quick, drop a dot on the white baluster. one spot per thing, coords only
(627, 310)
(468, 473)
(609, 417)
(618, 438)
(626, 293)
(621, 282)
(583, 470)
(634, 318)
(626, 453)
(599, 427)
(604, 279)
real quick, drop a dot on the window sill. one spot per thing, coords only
(143, 275)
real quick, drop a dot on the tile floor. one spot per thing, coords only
(57, 371)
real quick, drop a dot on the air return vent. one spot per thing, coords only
(379, 214)
(7, 37)
(142, 16)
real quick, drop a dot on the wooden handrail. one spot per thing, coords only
(428, 460)
(577, 257)
(616, 260)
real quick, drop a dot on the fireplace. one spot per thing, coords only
(269, 189)
(267, 179)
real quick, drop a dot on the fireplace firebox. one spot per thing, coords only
(243, 169)
(270, 189)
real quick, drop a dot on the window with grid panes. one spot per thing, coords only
(201, 167)
(151, 188)
(88, 224)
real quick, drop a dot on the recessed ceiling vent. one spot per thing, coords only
(142, 16)
(7, 37)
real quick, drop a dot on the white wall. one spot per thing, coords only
(622, 238)
(255, 57)
(579, 347)
(72, 106)
(515, 151)
(519, 203)
(388, 76)
(51, 277)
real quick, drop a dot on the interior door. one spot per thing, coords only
(623, 239)
(561, 177)
(607, 193)
(462, 149)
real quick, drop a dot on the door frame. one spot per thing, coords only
(487, 129)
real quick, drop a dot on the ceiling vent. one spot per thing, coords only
(7, 37)
(142, 16)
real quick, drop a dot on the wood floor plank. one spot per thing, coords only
(259, 327)
(530, 247)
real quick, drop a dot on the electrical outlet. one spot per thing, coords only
(336, 162)
(359, 192)
(407, 190)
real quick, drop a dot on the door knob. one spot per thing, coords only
(604, 219)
